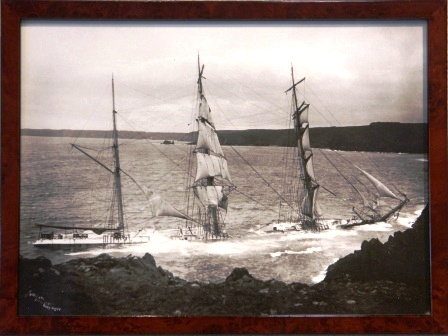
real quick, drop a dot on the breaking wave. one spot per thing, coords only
(307, 251)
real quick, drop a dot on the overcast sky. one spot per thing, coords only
(355, 73)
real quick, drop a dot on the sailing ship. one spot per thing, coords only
(299, 207)
(115, 232)
(208, 181)
(378, 210)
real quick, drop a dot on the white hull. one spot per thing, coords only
(295, 227)
(194, 234)
(86, 243)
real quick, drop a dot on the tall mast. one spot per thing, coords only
(301, 125)
(300, 130)
(211, 163)
(200, 71)
(294, 93)
(117, 163)
(201, 95)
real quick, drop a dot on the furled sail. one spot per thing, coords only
(310, 207)
(310, 168)
(316, 208)
(380, 187)
(305, 138)
(303, 113)
(204, 110)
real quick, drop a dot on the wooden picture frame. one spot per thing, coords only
(13, 12)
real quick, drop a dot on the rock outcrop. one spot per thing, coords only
(403, 258)
(379, 279)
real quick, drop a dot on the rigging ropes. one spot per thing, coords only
(335, 167)
(256, 172)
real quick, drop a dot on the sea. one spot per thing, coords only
(62, 186)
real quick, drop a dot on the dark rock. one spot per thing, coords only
(403, 258)
(33, 265)
(104, 261)
(239, 274)
(149, 260)
(164, 273)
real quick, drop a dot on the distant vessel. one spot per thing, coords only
(168, 142)
(299, 207)
(207, 191)
(114, 233)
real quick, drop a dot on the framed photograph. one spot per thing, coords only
(224, 167)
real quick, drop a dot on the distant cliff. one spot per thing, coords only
(64, 133)
(376, 137)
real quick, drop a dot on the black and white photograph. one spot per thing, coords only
(224, 168)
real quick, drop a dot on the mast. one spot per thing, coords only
(200, 71)
(210, 163)
(117, 176)
(307, 194)
(211, 183)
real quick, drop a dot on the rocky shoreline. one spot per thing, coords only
(389, 278)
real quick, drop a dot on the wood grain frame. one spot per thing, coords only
(13, 11)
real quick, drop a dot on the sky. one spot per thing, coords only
(356, 73)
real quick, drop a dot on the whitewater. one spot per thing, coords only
(56, 188)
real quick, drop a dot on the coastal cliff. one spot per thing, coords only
(389, 278)
(392, 137)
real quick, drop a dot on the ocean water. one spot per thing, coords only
(60, 185)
